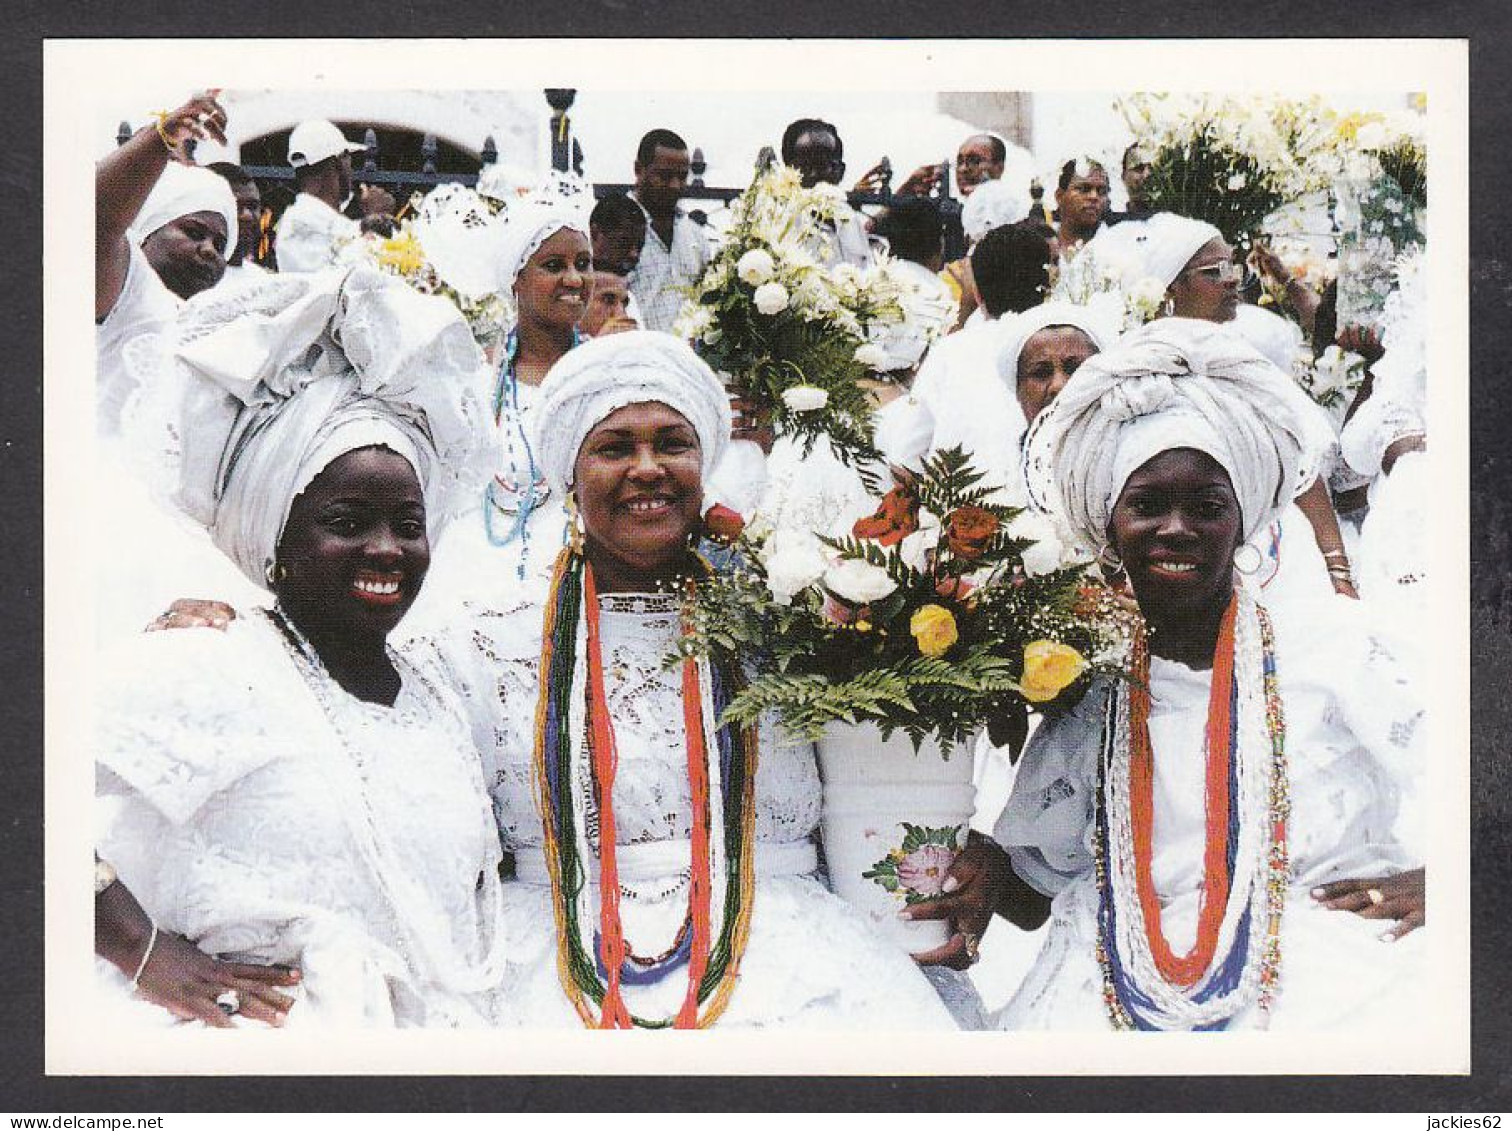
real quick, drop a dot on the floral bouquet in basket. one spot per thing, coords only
(943, 612)
(796, 332)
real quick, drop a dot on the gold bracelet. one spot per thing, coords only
(162, 129)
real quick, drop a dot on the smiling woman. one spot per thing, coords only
(289, 796)
(665, 864)
(1182, 828)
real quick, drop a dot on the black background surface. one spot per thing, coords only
(24, 1088)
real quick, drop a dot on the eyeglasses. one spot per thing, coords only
(1226, 271)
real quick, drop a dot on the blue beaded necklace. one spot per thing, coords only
(520, 494)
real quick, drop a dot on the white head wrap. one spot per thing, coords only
(273, 384)
(1175, 383)
(606, 374)
(991, 204)
(528, 224)
(1167, 243)
(181, 191)
(1019, 328)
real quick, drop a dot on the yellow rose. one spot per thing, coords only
(935, 630)
(1049, 668)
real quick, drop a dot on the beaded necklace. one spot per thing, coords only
(523, 487)
(1236, 958)
(594, 965)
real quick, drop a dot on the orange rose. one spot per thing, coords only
(722, 524)
(895, 520)
(968, 530)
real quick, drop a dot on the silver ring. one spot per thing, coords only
(229, 1002)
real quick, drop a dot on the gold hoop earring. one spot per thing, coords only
(276, 574)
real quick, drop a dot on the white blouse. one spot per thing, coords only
(1355, 739)
(254, 807)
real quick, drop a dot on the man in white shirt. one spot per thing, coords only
(814, 148)
(675, 251)
(161, 231)
(312, 229)
(1081, 202)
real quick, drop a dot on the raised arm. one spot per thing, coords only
(124, 178)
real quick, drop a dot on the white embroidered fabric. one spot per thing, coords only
(350, 839)
(810, 960)
(1355, 736)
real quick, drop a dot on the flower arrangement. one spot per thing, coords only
(1229, 161)
(1333, 380)
(936, 615)
(796, 332)
(1110, 283)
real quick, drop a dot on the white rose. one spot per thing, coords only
(871, 355)
(793, 561)
(915, 548)
(1048, 553)
(755, 266)
(805, 398)
(858, 582)
(1237, 181)
(771, 298)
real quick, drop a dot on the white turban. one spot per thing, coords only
(1167, 242)
(527, 225)
(1019, 328)
(1175, 383)
(604, 375)
(181, 191)
(267, 392)
(992, 204)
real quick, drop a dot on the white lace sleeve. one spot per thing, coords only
(182, 716)
(1047, 827)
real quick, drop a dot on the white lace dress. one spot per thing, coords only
(810, 961)
(254, 807)
(1354, 736)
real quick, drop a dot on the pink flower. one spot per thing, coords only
(923, 870)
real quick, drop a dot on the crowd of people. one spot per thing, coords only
(407, 744)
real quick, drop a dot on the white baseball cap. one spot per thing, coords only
(317, 140)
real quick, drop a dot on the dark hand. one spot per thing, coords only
(1402, 897)
(193, 612)
(1361, 340)
(186, 981)
(752, 422)
(200, 118)
(974, 890)
(922, 181)
(871, 180)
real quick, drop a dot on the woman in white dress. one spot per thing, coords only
(1177, 829)
(290, 791)
(715, 912)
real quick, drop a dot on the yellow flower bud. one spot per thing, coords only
(934, 628)
(1049, 668)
